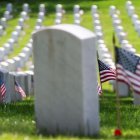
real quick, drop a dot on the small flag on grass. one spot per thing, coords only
(2, 88)
(19, 89)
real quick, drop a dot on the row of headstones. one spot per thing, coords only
(60, 11)
(38, 26)
(16, 63)
(134, 17)
(9, 46)
(103, 51)
(123, 89)
(25, 7)
(77, 14)
(23, 15)
(41, 16)
(3, 22)
(25, 80)
(119, 30)
(8, 15)
(19, 61)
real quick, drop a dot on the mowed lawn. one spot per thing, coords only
(17, 120)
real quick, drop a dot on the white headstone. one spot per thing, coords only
(97, 23)
(112, 10)
(136, 99)
(2, 53)
(29, 45)
(94, 9)
(21, 22)
(76, 9)
(98, 29)
(37, 27)
(59, 8)
(96, 16)
(119, 29)
(30, 82)
(26, 7)
(131, 10)
(11, 64)
(23, 58)
(115, 17)
(11, 42)
(15, 36)
(134, 17)
(17, 62)
(77, 19)
(41, 15)
(27, 51)
(7, 15)
(68, 80)
(3, 22)
(4, 75)
(42, 8)
(1, 30)
(18, 29)
(123, 89)
(99, 35)
(116, 23)
(24, 15)
(128, 4)
(21, 79)
(59, 16)
(8, 48)
(4, 65)
(9, 7)
(39, 22)
(137, 24)
(121, 36)
(57, 21)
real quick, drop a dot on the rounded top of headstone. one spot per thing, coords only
(76, 30)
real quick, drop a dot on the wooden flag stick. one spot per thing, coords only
(117, 131)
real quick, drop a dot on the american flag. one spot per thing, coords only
(19, 89)
(128, 68)
(106, 72)
(2, 87)
(99, 89)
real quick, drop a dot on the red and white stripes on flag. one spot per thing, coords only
(99, 89)
(128, 68)
(19, 89)
(129, 78)
(2, 89)
(106, 72)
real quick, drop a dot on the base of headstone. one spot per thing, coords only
(136, 99)
(123, 89)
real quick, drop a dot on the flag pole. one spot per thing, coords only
(99, 72)
(117, 132)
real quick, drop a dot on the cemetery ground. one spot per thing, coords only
(17, 120)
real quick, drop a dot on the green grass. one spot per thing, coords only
(17, 120)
